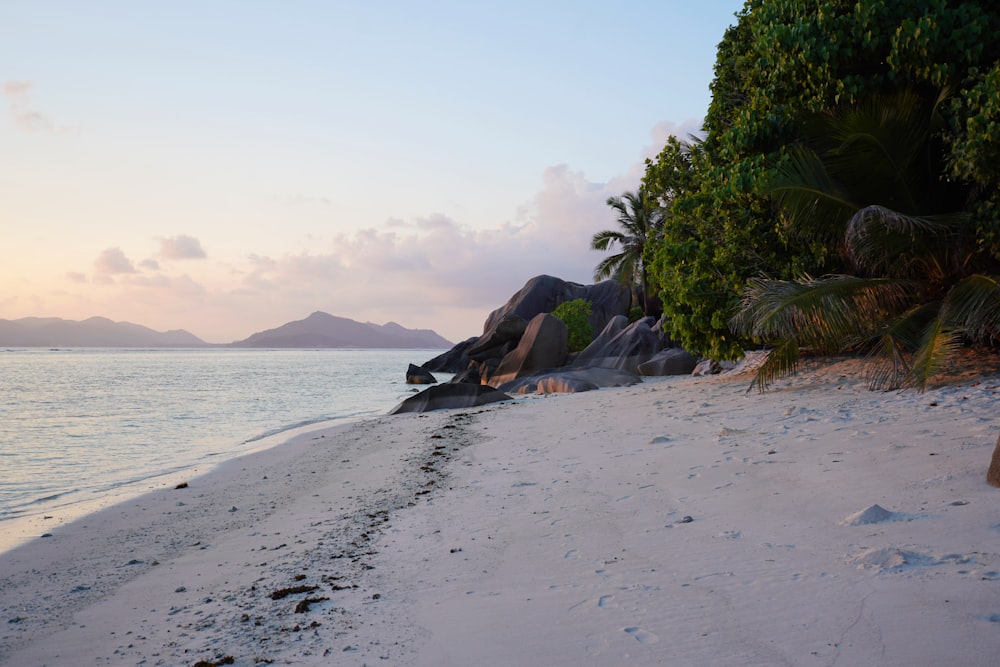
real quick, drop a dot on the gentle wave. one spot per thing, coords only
(119, 418)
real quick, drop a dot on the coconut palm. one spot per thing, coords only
(639, 217)
(918, 288)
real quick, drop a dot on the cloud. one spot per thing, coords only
(430, 271)
(113, 262)
(181, 247)
(18, 94)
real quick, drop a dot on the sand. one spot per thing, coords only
(677, 522)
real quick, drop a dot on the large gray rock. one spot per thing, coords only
(624, 350)
(448, 396)
(570, 380)
(542, 346)
(454, 360)
(419, 375)
(542, 294)
(675, 361)
(500, 339)
(479, 357)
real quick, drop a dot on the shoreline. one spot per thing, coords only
(554, 530)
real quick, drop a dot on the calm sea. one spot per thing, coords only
(79, 423)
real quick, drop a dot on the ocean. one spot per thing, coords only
(78, 425)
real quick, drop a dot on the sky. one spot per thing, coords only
(225, 167)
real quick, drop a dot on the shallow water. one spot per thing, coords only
(79, 423)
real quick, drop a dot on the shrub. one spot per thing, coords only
(575, 315)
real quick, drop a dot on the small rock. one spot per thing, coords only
(180, 589)
(234, 509)
(686, 519)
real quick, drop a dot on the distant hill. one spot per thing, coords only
(324, 330)
(93, 332)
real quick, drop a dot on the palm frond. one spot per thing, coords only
(614, 266)
(829, 313)
(973, 306)
(889, 358)
(939, 344)
(881, 240)
(782, 360)
(813, 203)
(605, 239)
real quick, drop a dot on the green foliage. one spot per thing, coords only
(639, 218)
(781, 65)
(575, 315)
(917, 293)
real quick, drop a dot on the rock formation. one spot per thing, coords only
(570, 380)
(542, 346)
(622, 347)
(419, 375)
(523, 347)
(450, 395)
(675, 361)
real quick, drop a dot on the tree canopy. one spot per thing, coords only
(783, 65)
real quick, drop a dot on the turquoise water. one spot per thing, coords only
(78, 423)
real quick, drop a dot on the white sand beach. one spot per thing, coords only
(677, 522)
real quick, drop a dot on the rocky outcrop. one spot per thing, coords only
(454, 360)
(542, 294)
(570, 380)
(622, 347)
(674, 361)
(419, 375)
(447, 396)
(500, 340)
(542, 346)
(506, 325)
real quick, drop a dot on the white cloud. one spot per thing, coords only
(429, 271)
(18, 94)
(181, 247)
(113, 261)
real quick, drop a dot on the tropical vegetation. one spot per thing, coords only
(639, 218)
(575, 314)
(844, 193)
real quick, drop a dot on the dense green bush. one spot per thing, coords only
(575, 315)
(783, 63)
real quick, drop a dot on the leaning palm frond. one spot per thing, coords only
(812, 202)
(605, 239)
(782, 360)
(828, 313)
(880, 240)
(939, 344)
(974, 307)
(621, 267)
(890, 357)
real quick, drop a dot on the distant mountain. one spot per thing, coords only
(93, 332)
(325, 330)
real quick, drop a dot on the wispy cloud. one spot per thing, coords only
(113, 261)
(18, 94)
(181, 247)
(433, 271)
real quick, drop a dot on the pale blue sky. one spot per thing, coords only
(228, 166)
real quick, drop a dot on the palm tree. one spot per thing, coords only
(640, 217)
(919, 287)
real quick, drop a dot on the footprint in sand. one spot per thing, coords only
(641, 635)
